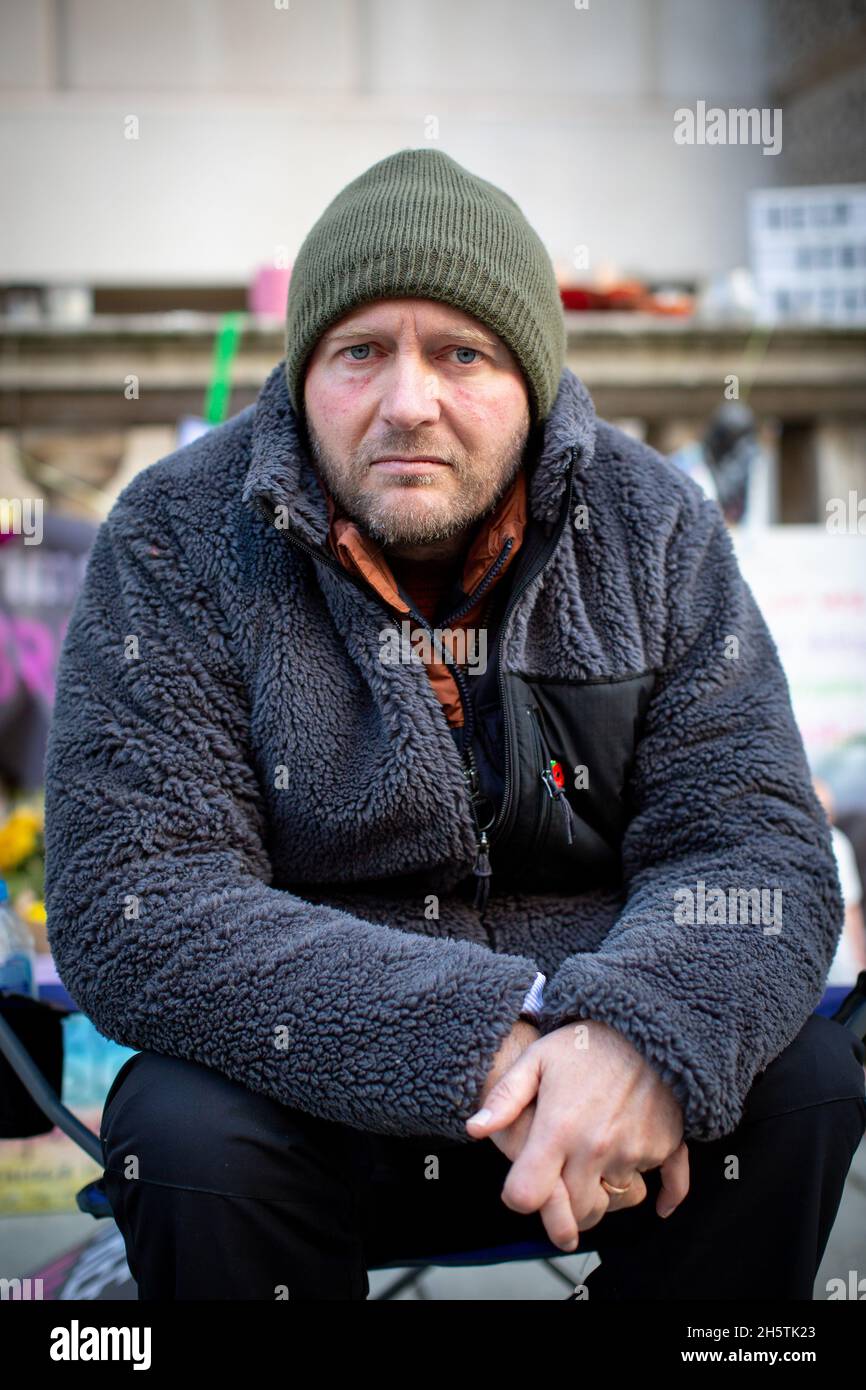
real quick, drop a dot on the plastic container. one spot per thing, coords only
(17, 950)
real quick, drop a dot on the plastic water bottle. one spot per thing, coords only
(17, 950)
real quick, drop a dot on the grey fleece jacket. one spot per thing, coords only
(238, 791)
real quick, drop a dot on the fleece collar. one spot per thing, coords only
(357, 552)
(281, 472)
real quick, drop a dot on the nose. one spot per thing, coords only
(410, 395)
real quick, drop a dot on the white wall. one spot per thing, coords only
(253, 117)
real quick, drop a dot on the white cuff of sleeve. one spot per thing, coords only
(532, 1001)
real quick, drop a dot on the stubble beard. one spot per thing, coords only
(390, 523)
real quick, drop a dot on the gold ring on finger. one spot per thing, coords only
(609, 1187)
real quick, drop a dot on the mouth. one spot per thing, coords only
(408, 465)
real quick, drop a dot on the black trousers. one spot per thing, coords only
(222, 1193)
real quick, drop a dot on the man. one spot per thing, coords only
(343, 891)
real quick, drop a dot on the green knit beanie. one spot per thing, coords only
(418, 224)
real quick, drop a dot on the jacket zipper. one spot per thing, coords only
(482, 869)
(502, 819)
(543, 812)
(554, 790)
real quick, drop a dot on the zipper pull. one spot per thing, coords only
(482, 871)
(471, 775)
(569, 816)
(554, 790)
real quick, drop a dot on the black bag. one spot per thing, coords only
(38, 1028)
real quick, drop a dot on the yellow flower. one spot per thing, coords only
(36, 912)
(18, 838)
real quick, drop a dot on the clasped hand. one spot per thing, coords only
(575, 1106)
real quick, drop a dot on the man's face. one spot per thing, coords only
(396, 383)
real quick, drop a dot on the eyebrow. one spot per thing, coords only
(469, 335)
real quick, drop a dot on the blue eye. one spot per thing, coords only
(467, 349)
(359, 347)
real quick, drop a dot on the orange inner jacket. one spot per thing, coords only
(426, 581)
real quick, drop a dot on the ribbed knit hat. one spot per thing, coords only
(418, 224)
